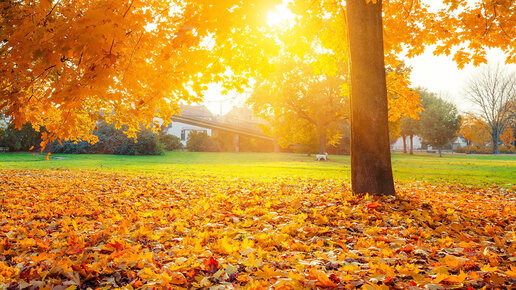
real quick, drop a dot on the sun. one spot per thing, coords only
(280, 16)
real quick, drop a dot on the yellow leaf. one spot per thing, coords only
(488, 268)
(511, 272)
(267, 272)
(46, 4)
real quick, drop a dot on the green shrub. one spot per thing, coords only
(148, 144)
(341, 148)
(200, 142)
(113, 141)
(19, 140)
(170, 142)
(69, 147)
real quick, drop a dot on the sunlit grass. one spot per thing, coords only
(466, 169)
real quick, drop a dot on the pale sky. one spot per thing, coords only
(440, 74)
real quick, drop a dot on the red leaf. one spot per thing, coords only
(211, 265)
(374, 205)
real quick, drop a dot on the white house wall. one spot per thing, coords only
(175, 128)
(398, 145)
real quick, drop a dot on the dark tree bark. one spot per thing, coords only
(404, 143)
(411, 144)
(495, 139)
(371, 170)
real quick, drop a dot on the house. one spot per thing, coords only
(239, 123)
(458, 142)
(398, 145)
(181, 130)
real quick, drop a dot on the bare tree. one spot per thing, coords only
(493, 90)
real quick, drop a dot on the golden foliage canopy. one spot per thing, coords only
(300, 105)
(474, 129)
(67, 64)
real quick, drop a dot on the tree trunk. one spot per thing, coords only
(322, 141)
(440, 152)
(236, 142)
(494, 137)
(404, 143)
(371, 170)
(277, 148)
(411, 144)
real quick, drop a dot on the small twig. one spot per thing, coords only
(111, 48)
(128, 8)
(50, 12)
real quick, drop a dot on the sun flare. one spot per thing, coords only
(280, 16)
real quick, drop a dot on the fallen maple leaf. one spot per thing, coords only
(511, 272)
(322, 279)
(211, 265)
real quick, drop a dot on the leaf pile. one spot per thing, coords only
(90, 229)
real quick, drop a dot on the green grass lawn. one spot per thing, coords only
(466, 169)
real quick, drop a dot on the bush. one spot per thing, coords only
(148, 144)
(19, 140)
(170, 142)
(200, 142)
(507, 149)
(460, 149)
(470, 149)
(70, 147)
(113, 141)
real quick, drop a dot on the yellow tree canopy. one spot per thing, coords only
(301, 105)
(66, 65)
(474, 129)
(508, 138)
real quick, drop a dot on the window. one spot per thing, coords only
(183, 135)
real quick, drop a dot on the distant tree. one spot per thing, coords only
(70, 147)
(493, 90)
(439, 121)
(409, 127)
(394, 131)
(112, 141)
(475, 130)
(508, 137)
(300, 104)
(511, 127)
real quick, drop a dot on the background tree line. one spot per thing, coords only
(110, 141)
(489, 129)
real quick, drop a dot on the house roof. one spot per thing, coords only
(197, 111)
(242, 114)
